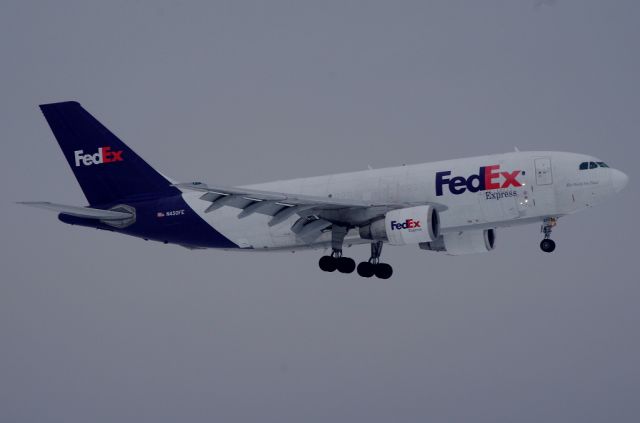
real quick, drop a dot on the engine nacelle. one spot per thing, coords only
(411, 225)
(467, 242)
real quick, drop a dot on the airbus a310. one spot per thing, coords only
(453, 206)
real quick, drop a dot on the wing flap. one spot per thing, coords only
(252, 195)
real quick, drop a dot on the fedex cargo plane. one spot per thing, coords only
(453, 206)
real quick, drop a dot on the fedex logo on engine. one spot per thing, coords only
(489, 177)
(409, 224)
(104, 155)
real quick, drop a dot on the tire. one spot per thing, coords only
(365, 269)
(383, 271)
(345, 265)
(327, 263)
(547, 245)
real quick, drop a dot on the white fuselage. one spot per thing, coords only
(522, 187)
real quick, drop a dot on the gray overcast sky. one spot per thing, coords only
(104, 328)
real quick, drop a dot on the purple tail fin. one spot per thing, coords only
(107, 170)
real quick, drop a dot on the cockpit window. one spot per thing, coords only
(592, 165)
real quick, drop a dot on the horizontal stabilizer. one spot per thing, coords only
(85, 212)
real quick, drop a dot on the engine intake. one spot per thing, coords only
(411, 225)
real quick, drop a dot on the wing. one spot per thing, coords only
(316, 213)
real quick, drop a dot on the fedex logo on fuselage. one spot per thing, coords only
(489, 177)
(104, 155)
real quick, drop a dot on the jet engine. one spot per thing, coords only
(467, 242)
(411, 225)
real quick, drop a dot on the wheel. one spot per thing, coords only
(327, 263)
(383, 270)
(345, 264)
(547, 245)
(365, 269)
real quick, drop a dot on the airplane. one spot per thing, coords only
(452, 206)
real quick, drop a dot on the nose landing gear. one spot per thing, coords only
(547, 244)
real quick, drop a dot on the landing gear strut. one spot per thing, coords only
(336, 261)
(366, 269)
(547, 244)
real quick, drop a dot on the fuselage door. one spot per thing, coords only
(543, 171)
(544, 195)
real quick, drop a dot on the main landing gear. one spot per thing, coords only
(547, 244)
(335, 261)
(366, 269)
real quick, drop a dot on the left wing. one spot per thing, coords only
(316, 213)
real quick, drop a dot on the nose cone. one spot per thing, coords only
(619, 180)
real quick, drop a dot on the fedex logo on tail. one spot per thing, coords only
(104, 155)
(489, 177)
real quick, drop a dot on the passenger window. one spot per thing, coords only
(602, 164)
(584, 165)
(592, 165)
